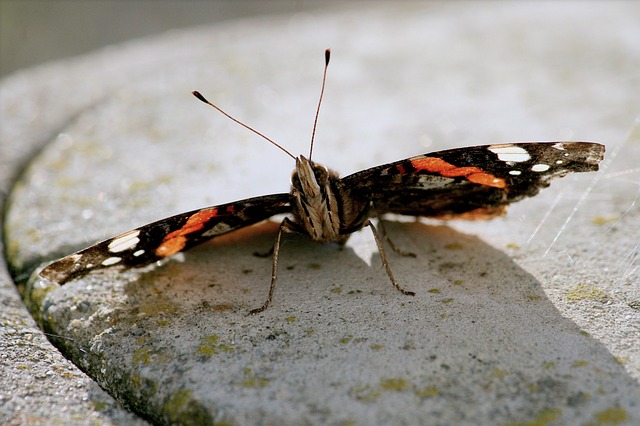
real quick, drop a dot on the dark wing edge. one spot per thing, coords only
(476, 182)
(166, 237)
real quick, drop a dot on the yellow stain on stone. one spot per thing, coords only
(603, 220)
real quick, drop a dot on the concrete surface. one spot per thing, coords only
(531, 319)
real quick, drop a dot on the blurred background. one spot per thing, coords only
(37, 31)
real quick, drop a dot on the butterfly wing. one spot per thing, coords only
(161, 239)
(470, 183)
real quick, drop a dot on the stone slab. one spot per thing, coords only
(531, 318)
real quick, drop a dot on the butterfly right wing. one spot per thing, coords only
(477, 182)
(161, 239)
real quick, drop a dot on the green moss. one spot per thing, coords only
(145, 386)
(433, 291)
(146, 355)
(585, 291)
(548, 364)
(34, 295)
(135, 381)
(142, 355)
(252, 380)
(498, 373)
(579, 363)
(364, 393)
(182, 409)
(620, 360)
(346, 339)
(428, 392)
(611, 416)
(290, 319)
(100, 405)
(396, 384)
(544, 418)
(158, 307)
(209, 345)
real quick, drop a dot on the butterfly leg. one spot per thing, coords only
(285, 226)
(395, 248)
(383, 257)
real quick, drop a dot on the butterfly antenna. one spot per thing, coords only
(203, 99)
(327, 56)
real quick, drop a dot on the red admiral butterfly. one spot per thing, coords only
(464, 183)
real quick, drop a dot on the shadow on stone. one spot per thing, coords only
(175, 343)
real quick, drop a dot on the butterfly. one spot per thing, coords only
(474, 183)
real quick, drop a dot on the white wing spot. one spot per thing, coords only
(510, 153)
(111, 261)
(138, 253)
(515, 172)
(559, 161)
(540, 168)
(126, 241)
(558, 145)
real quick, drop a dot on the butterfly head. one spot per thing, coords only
(309, 178)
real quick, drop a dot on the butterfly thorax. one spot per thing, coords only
(321, 205)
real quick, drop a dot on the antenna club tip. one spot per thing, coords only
(327, 55)
(199, 96)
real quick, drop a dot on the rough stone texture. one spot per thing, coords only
(529, 319)
(38, 385)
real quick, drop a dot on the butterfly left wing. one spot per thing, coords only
(470, 183)
(161, 239)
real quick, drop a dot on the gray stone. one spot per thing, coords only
(529, 318)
